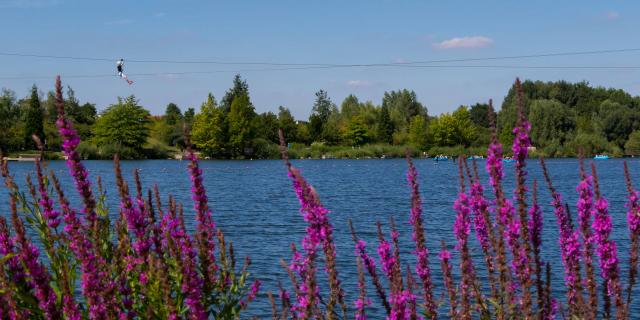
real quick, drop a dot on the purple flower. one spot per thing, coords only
(400, 305)
(253, 292)
(479, 205)
(70, 141)
(319, 231)
(606, 249)
(494, 163)
(206, 227)
(387, 259)
(50, 214)
(421, 251)
(535, 225)
(633, 212)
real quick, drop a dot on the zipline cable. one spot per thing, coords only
(218, 62)
(559, 67)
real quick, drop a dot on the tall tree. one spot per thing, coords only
(554, 121)
(323, 108)
(206, 132)
(172, 114)
(356, 132)
(418, 132)
(287, 123)
(11, 136)
(124, 124)
(240, 88)
(632, 146)
(465, 129)
(403, 105)
(240, 120)
(385, 125)
(34, 117)
(188, 116)
(267, 125)
(350, 107)
(479, 114)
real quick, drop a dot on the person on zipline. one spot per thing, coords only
(120, 67)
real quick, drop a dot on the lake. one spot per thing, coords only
(253, 202)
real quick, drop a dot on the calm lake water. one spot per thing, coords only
(254, 204)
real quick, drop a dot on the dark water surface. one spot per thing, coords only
(255, 205)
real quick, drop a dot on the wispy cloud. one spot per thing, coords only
(360, 83)
(612, 15)
(464, 42)
(159, 15)
(27, 4)
(119, 22)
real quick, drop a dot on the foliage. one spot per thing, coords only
(356, 132)
(123, 124)
(558, 121)
(418, 137)
(509, 283)
(403, 105)
(287, 123)
(33, 119)
(479, 114)
(207, 129)
(241, 130)
(385, 126)
(12, 133)
(559, 111)
(632, 146)
(145, 264)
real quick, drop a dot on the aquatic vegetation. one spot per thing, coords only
(145, 263)
(510, 236)
(142, 265)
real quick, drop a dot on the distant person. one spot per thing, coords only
(120, 68)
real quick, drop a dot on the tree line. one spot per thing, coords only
(566, 117)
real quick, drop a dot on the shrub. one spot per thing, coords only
(142, 265)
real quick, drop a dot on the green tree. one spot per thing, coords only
(618, 121)
(172, 114)
(34, 116)
(240, 121)
(323, 108)
(240, 88)
(479, 114)
(303, 132)
(266, 125)
(554, 121)
(11, 137)
(465, 130)
(357, 132)
(403, 105)
(632, 147)
(188, 116)
(207, 130)
(125, 124)
(442, 130)
(350, 107)
(418, 136)
(287, 123)
(385, 126)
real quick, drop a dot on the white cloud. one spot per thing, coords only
(359, 83)
(464, 42)
(159, 15)
(612, 15)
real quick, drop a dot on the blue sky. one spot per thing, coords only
(338, 32)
